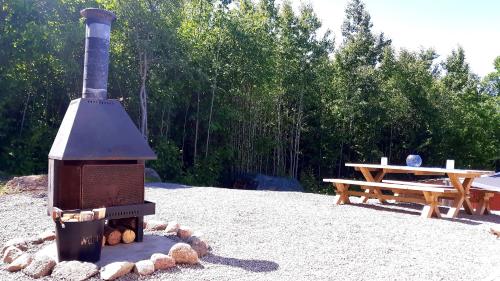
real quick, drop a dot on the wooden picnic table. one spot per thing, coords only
(458, 191)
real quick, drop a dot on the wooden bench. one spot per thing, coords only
(431, 193)
(423, 184)
(418, 183)
(483, 202)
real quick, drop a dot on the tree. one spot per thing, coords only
(355, 98)
(491, 82)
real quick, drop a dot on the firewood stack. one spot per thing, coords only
(120, 230)
(78, 216)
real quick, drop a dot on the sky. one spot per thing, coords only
(439, 24)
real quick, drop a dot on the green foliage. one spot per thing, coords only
(169, 163)
(312, 184)
(491, 82)
(205, 172)
(247, 87)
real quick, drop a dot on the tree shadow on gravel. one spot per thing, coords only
(248, 265)
(479, 219)
(190, 266)
(415, 209)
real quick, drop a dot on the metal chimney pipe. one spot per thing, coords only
(95, 67)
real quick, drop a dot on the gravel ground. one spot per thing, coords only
(266, 235)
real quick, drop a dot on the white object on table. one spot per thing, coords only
(450, 164)
(383, 161)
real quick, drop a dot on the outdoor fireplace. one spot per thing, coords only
(97, 158)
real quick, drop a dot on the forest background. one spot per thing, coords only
(222, 88)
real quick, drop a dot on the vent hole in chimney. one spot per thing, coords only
(98, 102)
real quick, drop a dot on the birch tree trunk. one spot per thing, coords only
(167, 130)
(143, 67)
(390, 144)
(214, 86)
(24, 113)
(297, 136)
(162, 124)
(184, 128)
(195, 154)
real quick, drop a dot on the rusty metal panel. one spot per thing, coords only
(64, 185)
(112, 185)
(67, 186)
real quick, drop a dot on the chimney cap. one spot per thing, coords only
(98, 15)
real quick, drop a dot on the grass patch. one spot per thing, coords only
(150, 179)
(4, 177)
(2, 187)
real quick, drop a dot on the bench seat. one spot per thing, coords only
(476, 188)
(484, 194)
(430, 192)
(418, 183)
(397, 186)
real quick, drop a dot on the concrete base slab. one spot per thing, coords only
(124, 252)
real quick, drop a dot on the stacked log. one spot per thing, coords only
(120, 230)
(113, 236)
(128, 235)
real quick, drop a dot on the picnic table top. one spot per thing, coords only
(408, 169)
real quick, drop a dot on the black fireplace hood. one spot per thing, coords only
(96, 129)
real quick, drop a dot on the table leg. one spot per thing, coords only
(378, 178)
(462, 198)
(455, 208)
(483, 207)
(343, 197)
(467, 204)
(432, 208)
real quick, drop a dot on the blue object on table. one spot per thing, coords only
(413, 160)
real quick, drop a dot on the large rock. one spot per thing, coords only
(183, 253)
(184, 232)
(40, 266)
(27, 183)
(199, 245)
(162, 261)
(156, 225)
(47, 235)
(20, 243)
(35, 240)
(172, 227)
(116, 269)
(21, 262)
(74, 270)
(10, 254)
(151, 175)
(144, 267)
